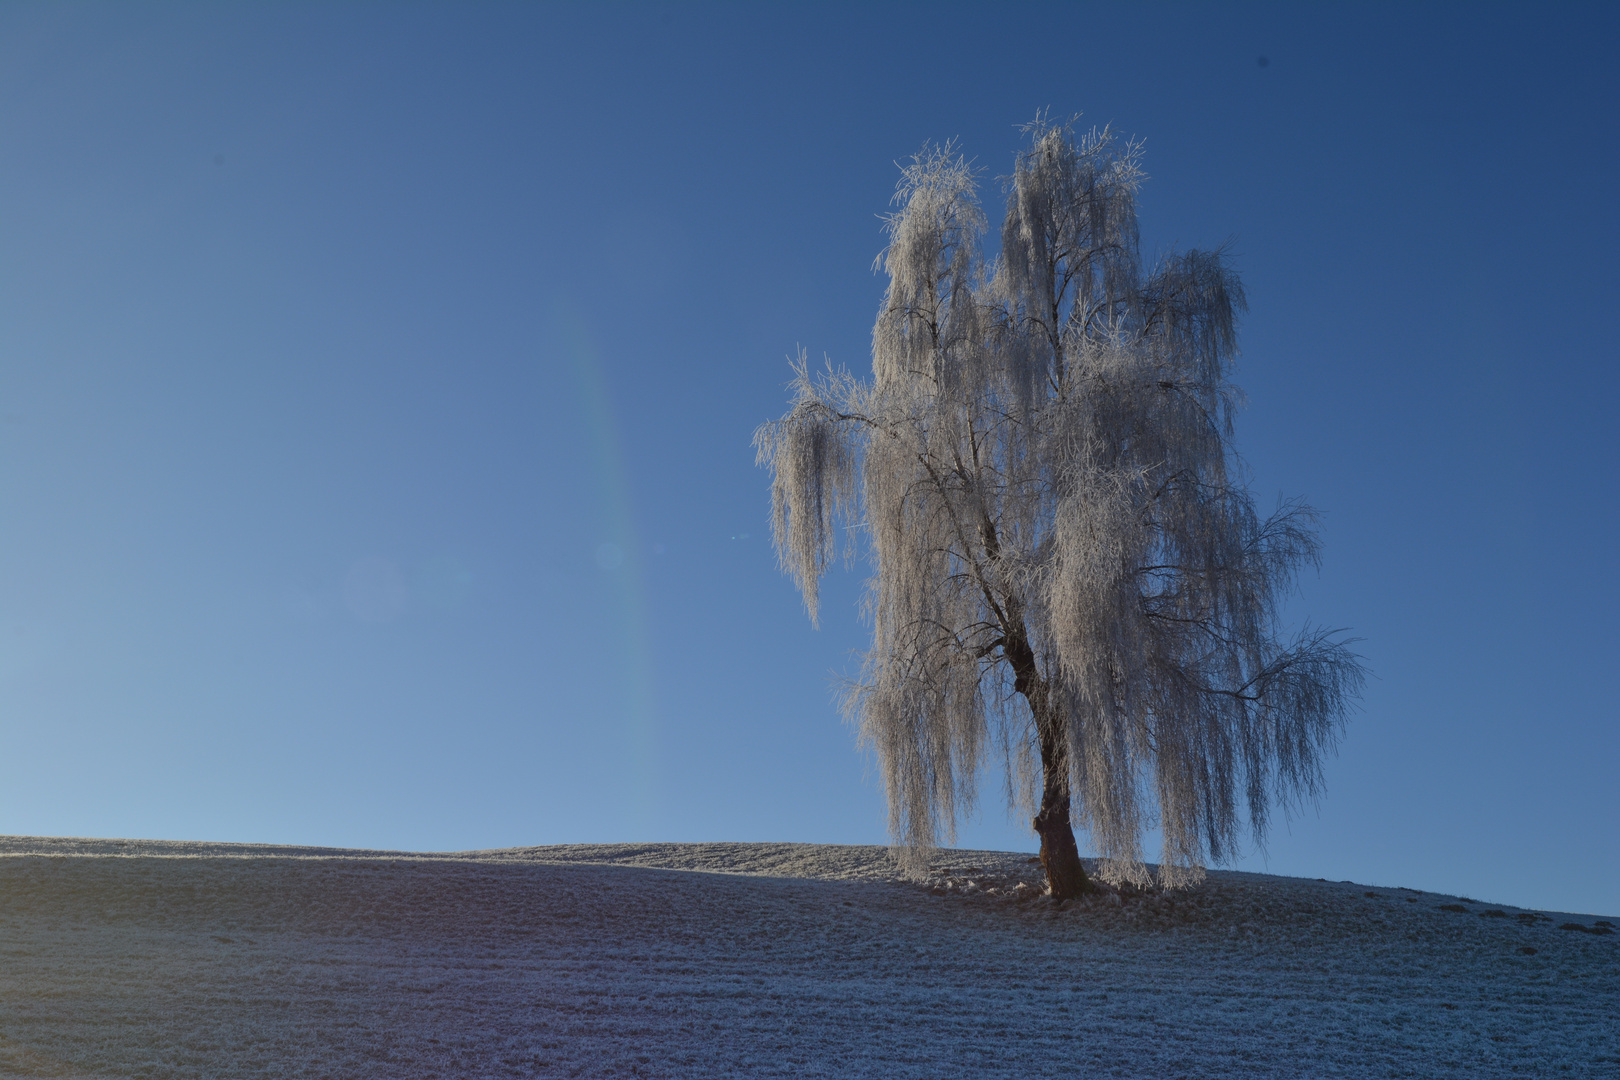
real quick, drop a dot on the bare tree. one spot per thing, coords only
(1069, 568)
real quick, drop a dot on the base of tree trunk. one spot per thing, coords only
(1060, 857)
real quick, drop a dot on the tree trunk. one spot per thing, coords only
(1060, 856)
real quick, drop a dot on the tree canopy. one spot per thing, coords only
(1069, 568)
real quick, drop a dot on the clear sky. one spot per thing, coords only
(376, 387)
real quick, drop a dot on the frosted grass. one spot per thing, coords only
(727, 960)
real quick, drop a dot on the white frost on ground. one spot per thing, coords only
(154, 959)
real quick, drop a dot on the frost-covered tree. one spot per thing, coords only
(1069, 568)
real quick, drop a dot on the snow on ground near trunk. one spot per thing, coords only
(152, 959)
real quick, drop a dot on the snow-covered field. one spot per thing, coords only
(156, 959)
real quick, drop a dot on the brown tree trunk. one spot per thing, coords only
(1060, 856)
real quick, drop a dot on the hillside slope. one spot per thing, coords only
(139, 958)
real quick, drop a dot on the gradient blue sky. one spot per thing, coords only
(376, 386)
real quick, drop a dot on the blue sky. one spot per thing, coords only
(376, 386)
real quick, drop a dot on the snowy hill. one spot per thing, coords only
(141, 958)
